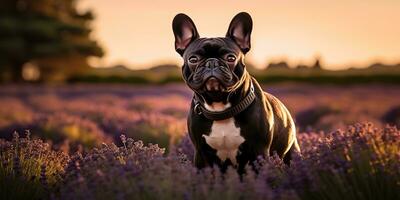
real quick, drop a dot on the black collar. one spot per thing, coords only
(227, 113)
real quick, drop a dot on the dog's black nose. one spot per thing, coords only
(212, 63)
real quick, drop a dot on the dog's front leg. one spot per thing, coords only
(199, 160)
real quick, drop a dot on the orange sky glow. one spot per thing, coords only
(343, 33)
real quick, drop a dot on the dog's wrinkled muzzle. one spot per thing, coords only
(212, 75)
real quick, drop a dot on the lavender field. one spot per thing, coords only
(129, 142)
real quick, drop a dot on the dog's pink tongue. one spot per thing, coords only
(212, 84)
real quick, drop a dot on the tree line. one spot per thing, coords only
(50, 37)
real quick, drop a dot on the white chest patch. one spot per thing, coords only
(225, 136)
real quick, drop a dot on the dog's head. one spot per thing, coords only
(213, 67)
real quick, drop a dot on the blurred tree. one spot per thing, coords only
(52, 34)
(317, 64)
(278, 65)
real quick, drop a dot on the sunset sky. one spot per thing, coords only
(343, 32)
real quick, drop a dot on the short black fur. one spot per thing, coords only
(218, 63)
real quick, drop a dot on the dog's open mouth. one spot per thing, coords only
(214, 85)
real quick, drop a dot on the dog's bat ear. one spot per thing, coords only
(185, 32)
(240, 30)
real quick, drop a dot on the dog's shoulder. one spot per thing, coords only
(277, 106)
(281, 113)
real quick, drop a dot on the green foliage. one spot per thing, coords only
(35, 31)
(29, 169)
(149, 134)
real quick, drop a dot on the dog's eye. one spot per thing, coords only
(193, 59)
(231, 58)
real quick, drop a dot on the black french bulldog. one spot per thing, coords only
(232, 120)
